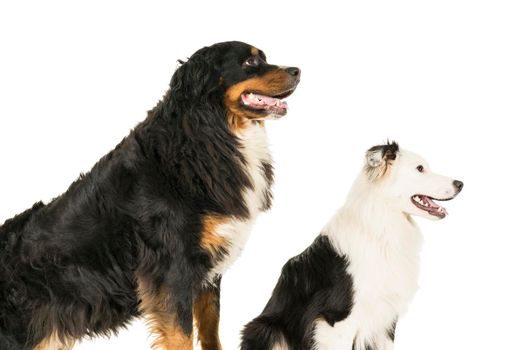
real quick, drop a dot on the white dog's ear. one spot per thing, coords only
(379, 158)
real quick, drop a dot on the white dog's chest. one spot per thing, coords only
(384, 283)
(236, 231)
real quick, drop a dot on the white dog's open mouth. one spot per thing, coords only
(427, 204)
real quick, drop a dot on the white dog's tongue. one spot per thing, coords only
(433, 204)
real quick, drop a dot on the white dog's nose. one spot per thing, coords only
(458, 185)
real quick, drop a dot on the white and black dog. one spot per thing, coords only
(348, 289)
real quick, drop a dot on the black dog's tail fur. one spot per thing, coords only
(261, 334)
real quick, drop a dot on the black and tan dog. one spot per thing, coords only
(152, 227)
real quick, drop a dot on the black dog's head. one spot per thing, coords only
(236, 76)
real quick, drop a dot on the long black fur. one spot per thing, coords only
(71, 266)
(312, 285)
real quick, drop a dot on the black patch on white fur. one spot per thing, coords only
(392, 330)
(368, 346)
(312, 285)
(389, 150)
(267, 168)
(378, 159)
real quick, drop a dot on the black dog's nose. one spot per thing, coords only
(294, 71)
(458, 184)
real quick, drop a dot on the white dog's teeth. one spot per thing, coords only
(418, 200)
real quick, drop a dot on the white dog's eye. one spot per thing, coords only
(420, 168)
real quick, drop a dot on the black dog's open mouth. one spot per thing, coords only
(427, 204)
(267, 104)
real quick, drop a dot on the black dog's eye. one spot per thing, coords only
(251, 62)
(420, 168)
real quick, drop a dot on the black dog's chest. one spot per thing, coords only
(257, 198)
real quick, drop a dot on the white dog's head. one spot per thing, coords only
(405, 179)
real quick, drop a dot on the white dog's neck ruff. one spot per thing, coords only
(382, 245)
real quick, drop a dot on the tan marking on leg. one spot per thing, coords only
(172, 338)
(54, 342)
(162, 324)
(210, 240)
(206, 314)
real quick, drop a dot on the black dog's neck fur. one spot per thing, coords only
(196, 152)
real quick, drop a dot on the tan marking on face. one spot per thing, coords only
(154, 304)
(206, 314)
(54, 342)
(272, 83)
(254, 51)
(210, 240)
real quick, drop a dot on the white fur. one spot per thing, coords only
(374, 159)
(254, 146)
(375, 231)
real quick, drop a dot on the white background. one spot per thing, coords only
(445, 79)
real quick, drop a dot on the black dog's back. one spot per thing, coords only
(312, 285)
(11, 326)
(59, 274)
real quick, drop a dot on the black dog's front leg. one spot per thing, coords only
(168, 310)
(206, 310)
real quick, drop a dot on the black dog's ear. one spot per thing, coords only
(378, 159)
(197, 78)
